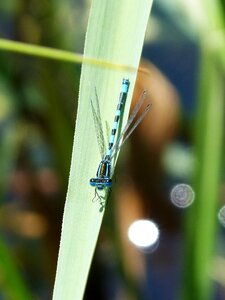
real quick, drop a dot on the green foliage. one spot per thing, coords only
(11, 281)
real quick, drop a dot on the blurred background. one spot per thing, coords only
(163, 231)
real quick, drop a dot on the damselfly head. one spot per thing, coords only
(101, 183)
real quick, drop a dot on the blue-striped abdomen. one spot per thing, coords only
(120, 106)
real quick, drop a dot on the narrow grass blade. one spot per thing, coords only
(61, 55)
(203, 216)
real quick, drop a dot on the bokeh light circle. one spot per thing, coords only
(182, 195)
(221, 216)
(143, 233)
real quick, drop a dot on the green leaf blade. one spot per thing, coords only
(115, 33)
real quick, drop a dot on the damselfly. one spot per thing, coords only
(104, 173)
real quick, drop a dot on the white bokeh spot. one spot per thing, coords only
(143, 233)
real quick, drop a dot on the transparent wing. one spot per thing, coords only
(98, 125)
(148, 107)
(108, 132)
(137, 107)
